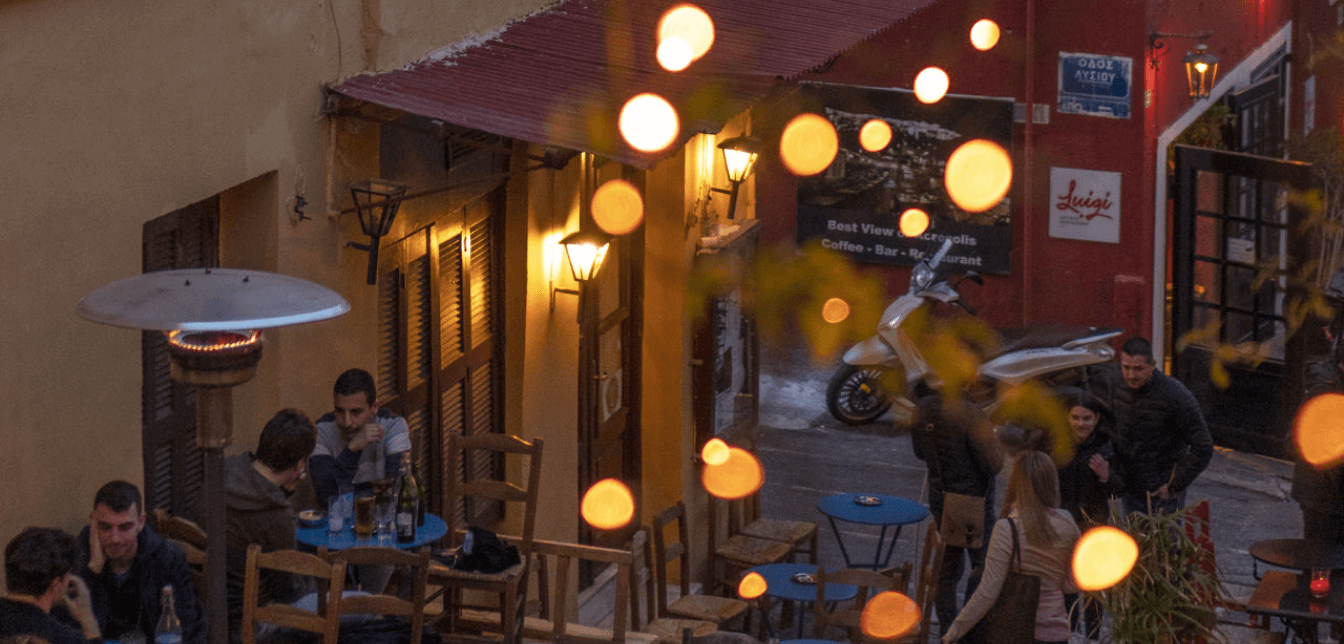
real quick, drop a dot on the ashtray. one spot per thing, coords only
(312, 518)
(868, 500)
(804, 578)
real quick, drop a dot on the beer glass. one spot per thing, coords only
(364, 516)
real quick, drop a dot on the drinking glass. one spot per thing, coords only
(385, 515)
(1320, 583)
(364, 520)
(335, 515)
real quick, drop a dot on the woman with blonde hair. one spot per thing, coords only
(1046, 535)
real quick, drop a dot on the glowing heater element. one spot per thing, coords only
(809, 144)
(740, 476)
(1103, 558)
(914, 222)
(690, 24)
(978, 175)
(618, 207)
(889, 615)
(835, 310)
(985, 34)
(875, 135)
(753, 585)
(648, 122)
(715, 452)
(674, 54)
(931, 85)
(608, 505)
(1318, 430)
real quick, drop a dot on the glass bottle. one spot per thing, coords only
(409, 502)
(169, 629)
(420, 486)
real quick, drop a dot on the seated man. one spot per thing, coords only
(257, 488)
(358, 442)
(38, 565)
(126, 565)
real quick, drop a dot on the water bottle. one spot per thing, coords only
(169, 630)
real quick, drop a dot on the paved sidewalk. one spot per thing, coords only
(808, 455)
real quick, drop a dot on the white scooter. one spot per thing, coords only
(1057, 354)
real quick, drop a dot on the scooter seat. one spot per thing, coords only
(1040, 336)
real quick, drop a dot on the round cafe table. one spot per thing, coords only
(432, 531)
(882, 510)
(1298, 554)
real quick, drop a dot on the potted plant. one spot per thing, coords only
(1170, 595)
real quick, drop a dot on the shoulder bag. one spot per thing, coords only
(1012, 618)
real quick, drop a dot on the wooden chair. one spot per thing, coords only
(510, 586)
(330, 578)
(926, 585)
(188, 537)
(738, 552)
(846, 615)
(719, 610)
(668, 629)
(405, 595)
(802, 534)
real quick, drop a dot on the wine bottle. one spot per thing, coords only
(408, 504)
(420, 486)
(169, 629)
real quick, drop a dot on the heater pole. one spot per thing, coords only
(214, 427)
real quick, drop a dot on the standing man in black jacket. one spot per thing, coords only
(126, 565)
(954, 439)
(1161, 439)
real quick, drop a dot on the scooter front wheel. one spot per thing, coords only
(855, 394)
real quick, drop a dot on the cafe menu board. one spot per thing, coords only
(854, 206)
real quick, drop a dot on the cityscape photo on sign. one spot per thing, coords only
(854, 206)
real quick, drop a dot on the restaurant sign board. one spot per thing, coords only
(1095, 85)
(1085, 204)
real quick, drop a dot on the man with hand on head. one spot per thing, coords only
(38, 565)
(358, 442)
(126, 564)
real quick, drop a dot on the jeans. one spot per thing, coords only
(1138, 503)
(945, 600)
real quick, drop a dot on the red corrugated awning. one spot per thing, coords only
(560, 76)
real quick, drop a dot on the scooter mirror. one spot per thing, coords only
(974, 277)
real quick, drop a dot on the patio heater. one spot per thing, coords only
(213, 319)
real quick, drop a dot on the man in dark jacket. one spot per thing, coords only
(39, 566)
(257, 488)
(1092, 476)
(1162, 442)
(126, 565)
(955, 441)
(1318, 492)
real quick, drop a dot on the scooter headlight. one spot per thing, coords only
(921, 277)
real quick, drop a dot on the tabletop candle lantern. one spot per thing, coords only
(1320, 583)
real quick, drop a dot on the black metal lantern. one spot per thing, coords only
(376, 203)
(1201, 71)
(739, 158)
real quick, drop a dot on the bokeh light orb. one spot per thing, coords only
(608, 505)
(674, 54)
(808, 144)
(618, 207)
(1318, 430)
(931, 85)
(648, 122)
(1103, 557)
(875, 135)
(753, 585)
(914, 222)
(739, 476)
(978, 174)
(889, 615)
(835, 310)
(715, 452)
(984, 34)
(689, 23)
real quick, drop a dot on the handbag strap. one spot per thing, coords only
(1017, 551)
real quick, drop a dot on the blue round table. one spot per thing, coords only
(886, 512)
(779, 584)
(432, 531)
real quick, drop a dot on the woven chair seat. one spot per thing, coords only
(707, 607)
(668, 629)
(780, 529)
(752, 551)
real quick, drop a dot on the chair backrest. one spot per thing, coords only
(405, 596)
(330, 578)
(462, 485)
(195, 563)
(664, 552)
(847, 614)
(178, 528)
(926, 586)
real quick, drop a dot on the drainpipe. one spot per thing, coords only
(1028, 221)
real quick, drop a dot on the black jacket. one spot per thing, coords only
(1313, 489)
(959, 448)
(1080, 491)
(1160, 437)
(157, 564)
(22, 618)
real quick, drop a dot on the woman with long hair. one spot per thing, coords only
(1046, 535)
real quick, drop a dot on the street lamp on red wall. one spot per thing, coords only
(1201, 67)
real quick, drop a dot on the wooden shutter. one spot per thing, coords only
(186, 238)
(405, 330)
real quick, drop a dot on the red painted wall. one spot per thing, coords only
(1317, 23)
(1052, 279)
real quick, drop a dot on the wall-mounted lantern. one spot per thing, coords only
(739, 157)
(584, 252)
(1201, 67)
(376, 203)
